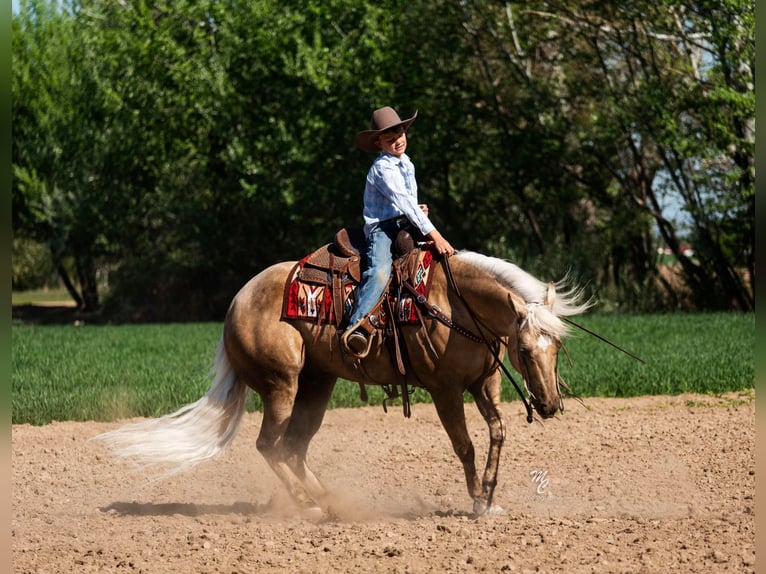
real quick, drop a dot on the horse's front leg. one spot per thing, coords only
(449, 406)
(486, 393)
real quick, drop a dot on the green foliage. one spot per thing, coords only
(31, 265)
(110, 372)
(184, 146)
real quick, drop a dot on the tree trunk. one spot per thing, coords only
(69, 285)
(86, 272)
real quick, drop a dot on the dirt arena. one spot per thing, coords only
(655, 484)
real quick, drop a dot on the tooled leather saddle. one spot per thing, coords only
(321, 289)
(321, 286)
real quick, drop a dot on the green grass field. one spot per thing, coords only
(57, 295)
(103, 372)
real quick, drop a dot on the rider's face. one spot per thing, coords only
(394, 142)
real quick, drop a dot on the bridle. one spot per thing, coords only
(559, 381)
(492, 342)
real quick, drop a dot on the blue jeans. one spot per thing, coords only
(379, 258)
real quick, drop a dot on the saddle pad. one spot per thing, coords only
(313, 301)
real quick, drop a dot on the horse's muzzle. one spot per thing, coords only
(546, 409)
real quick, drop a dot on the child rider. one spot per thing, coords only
(390, 204)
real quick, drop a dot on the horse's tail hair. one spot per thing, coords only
(196, 432)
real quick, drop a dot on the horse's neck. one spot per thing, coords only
(487, 299)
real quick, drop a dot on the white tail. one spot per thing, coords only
(194, 433)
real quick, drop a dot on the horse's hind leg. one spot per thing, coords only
(278, 405)
(292, 414)
(486, 394)
(308, 413)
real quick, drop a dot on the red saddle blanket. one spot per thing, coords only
(312, 300)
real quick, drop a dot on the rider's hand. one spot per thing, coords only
(442, 246)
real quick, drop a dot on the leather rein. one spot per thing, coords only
(493, 344)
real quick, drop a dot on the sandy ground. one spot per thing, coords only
(656, 484)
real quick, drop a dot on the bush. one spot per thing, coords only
(32, 266)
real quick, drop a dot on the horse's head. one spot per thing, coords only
(537, 309)
(534, 352)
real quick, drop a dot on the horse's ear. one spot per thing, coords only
(550, 295)
(518, 305)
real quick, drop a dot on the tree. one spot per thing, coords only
(185, 147)
(211, 139)
(682, 98)
(601, 116)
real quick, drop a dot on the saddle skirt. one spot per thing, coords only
(321, 287)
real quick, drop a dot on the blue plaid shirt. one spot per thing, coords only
(391, 191)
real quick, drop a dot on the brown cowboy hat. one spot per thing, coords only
(383, 119)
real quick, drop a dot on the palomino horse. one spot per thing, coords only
(293, 366)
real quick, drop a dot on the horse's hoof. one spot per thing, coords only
(480, 508)
(313, 513)
(495, 510)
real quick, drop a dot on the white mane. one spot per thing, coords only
(532, 290)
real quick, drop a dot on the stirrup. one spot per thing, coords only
(357, 341)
